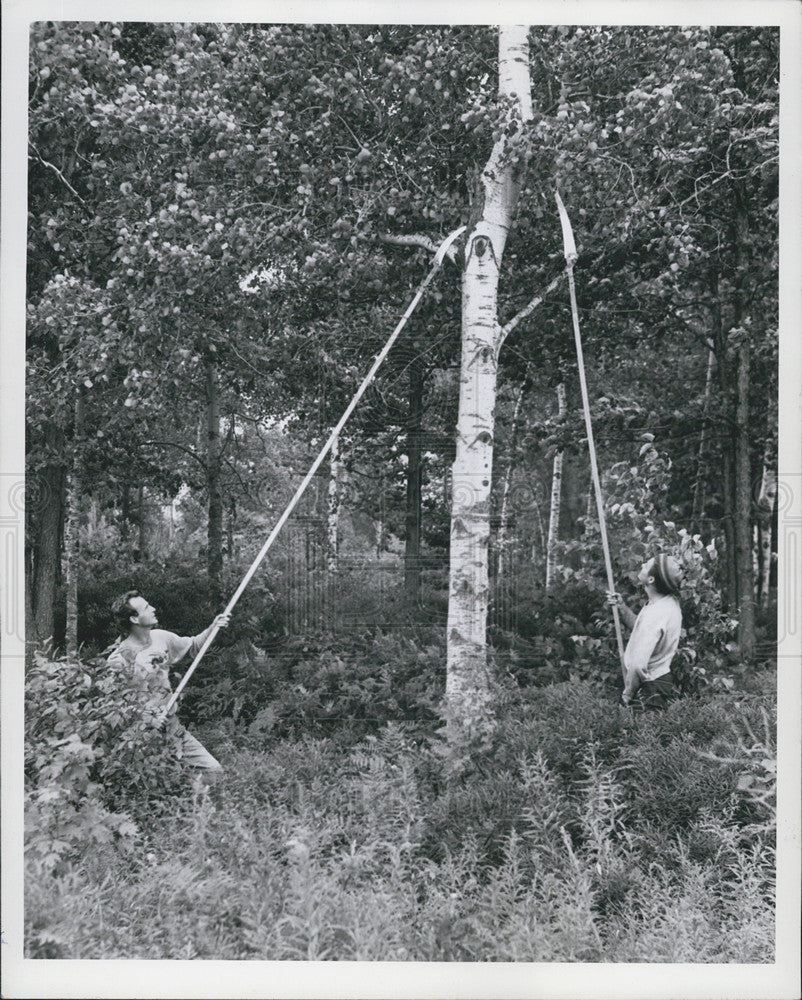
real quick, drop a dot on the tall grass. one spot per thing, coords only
(581, 835)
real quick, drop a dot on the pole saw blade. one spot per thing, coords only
(445, 246)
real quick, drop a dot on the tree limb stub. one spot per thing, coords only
(416, 240)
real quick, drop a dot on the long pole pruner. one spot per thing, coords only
(438, 260)
(569, 249)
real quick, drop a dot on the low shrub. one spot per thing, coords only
(94, 756)
(558, 633)
(343, 686)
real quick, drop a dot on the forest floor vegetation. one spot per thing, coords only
(580, 833)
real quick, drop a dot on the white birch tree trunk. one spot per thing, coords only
(502, 542)
(333, 506)
(556, 498)
(468, 697)
(541, 534)
(765, 546)
(765, 506)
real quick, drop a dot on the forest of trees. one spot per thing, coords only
(225, 217)
(226, 221)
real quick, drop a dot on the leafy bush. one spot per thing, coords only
(557, 633)
(323, 685)
(635, 512)
(94, 755)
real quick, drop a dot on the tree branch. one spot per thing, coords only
(416, 240)
(60, 176)
(529, 308)
(246, 490)
(172, 444)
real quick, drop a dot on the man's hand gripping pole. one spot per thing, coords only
(442, 250)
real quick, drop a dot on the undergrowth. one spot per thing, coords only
(581, 833)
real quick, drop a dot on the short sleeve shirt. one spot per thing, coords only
(152, 663)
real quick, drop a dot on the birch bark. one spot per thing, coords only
(503, 542)
(334, 502)
(468, 697)
(765, 509)
(556, 497)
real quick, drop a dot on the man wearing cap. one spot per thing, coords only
(147, 653)
(655, 633)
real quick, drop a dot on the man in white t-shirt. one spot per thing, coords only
(655, 633)
(147, 653)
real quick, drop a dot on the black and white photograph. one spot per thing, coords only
(401, 500)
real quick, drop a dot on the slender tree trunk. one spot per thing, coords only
(728, 524)
(743, 509)
(142, 522)
(125, 512)
(726, 419)
(412, 542)
(743, 465)
(556, 498)
(30, 621)
(768, 499)
(70, 561)
(698, 507)
(757, 543)
(230, 526)
(72, 533)
(214, 531)
(380, 522)
(502, 539)
(468, 695)
(774, 534)
(591, 518)
(574, 471)
(764, 541)
(47, 544)
(541, 534)
(764, 514)
(334, 504)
